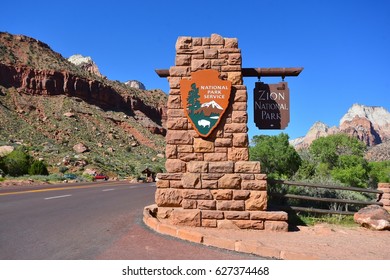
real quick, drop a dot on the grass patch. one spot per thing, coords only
(304, 219)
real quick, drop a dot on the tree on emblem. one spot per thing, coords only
(193, 99)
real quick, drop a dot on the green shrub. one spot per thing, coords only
(16, 163)
(380, 172)
(38, 168)
(277, 157)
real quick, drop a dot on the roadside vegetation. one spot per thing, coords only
(332, 160)
(19, 163)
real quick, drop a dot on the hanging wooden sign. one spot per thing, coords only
(205, 98)
(271, 105)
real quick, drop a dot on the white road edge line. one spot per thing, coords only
(60, 196)
(107, 190)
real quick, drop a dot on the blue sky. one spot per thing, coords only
(344, 46)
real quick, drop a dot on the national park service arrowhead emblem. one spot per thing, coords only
(205, 98)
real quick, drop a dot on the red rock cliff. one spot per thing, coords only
(51, 82)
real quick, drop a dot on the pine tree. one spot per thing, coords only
(193, 99)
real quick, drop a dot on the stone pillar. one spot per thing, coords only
(210, 182)
(385, 187)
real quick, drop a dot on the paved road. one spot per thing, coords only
(89, 221)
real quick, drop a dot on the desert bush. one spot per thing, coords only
(38, 168)
(16, 163)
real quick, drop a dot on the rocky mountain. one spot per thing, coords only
(370, 124)
(135, 84)
(380, 152)
(85, 63)
(209, 108)
(49, 104)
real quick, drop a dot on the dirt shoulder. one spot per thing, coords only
(323, 241)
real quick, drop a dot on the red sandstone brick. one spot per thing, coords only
(189, 204)
(215, 157)
(240, 96)
(169, 176)
(229, 68)
(212, 223)
(188, 157)
(240, 194)
(151, 222)
(211, 53)
(231, 205)
(221, 167)
(219, 215)
(219, 242)
(162, 184)
(207, 204)
(185, 148)
(237, 215)
(222, 194)
(254, 185)
(231, 43)
(238, 154)
(209, 184)
(190, 235)
(191, 181)
(182, 137)
(234, 59)
(183, 42)
(174, 102)
(211, 176)
(170, 151)
(216, 39)
(179, 71)
(167, 229)
(183, 60)
(257, 249)
(177, 124)
(186, 217)
(269, 215)
(247, 167)
(197, 194)
(245, 176)
(197, 166)
(276, 226)
(223, 142)
(175, 184)
(242, 224)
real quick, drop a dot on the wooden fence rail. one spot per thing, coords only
(321, 199)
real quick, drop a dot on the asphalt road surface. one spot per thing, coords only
(101, 220)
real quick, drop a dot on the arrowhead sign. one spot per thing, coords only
(205, 98)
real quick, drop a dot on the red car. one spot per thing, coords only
(100, 177)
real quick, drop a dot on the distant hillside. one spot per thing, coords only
(370, 124)
(49, 105)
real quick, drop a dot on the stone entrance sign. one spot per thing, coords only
(271, 105)
(205, 99)
(209, 180)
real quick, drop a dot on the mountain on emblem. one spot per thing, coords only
(205, 98)
(210, 108)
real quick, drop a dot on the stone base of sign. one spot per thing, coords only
(218, 195)
(385, 187)
(229, 240)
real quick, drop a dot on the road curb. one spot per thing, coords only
(241, 246)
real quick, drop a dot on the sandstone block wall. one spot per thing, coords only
(385, 187)
(211, 182)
